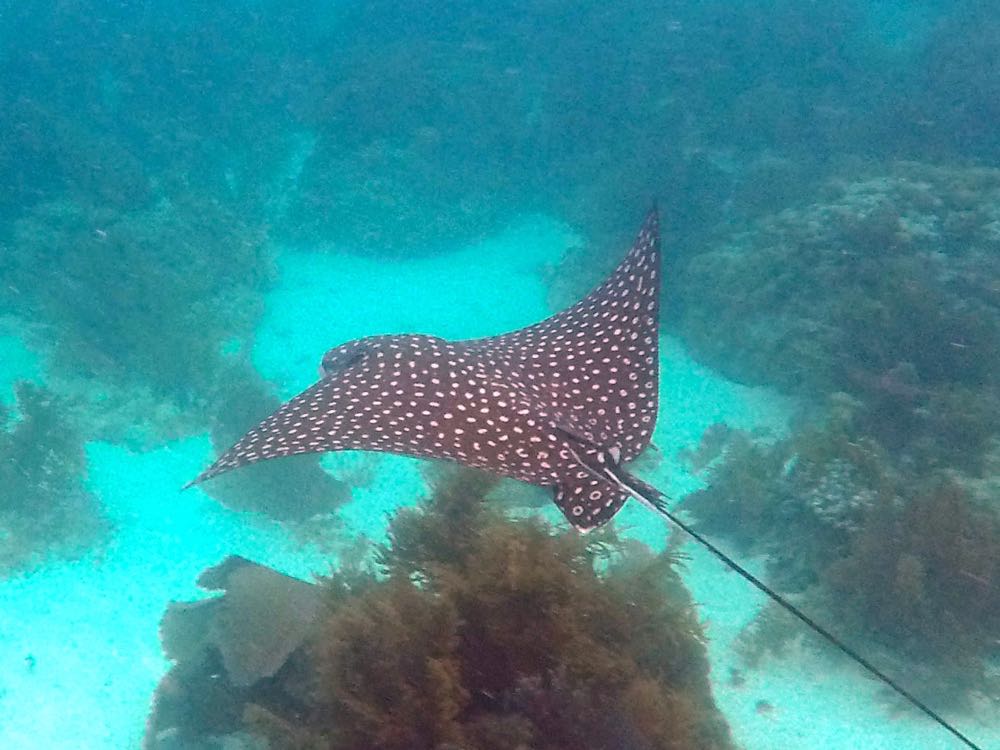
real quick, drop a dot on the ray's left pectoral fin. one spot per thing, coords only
(588, 501)
(292, 429)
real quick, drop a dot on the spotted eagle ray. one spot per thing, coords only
(563, 403)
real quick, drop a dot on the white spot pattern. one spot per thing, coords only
(509, 404)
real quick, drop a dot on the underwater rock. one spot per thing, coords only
(226, 651)
(260, 619)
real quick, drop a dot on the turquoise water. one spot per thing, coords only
(196, 204)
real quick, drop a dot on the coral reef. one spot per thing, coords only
(45, 508)
(884, 288)
(476, 632)
(879, 303)
(906, 563)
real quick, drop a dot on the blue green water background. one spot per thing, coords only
(200, 199)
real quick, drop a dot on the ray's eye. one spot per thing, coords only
(341, 358)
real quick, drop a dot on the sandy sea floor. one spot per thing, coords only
(79, 651)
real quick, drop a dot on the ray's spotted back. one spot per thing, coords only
(532, 404)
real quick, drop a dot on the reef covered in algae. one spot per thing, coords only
(905, 563)
(153, 296)
(472, 631)
(876, 301)
(146, 318)
(431, 128)
(884, 286)
(45, 507)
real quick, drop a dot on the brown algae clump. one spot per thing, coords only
(484, 633)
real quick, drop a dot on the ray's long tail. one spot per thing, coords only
(657, 501)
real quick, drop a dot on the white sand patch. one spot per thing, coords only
(817, 697)
(327, 298)
(79, 646)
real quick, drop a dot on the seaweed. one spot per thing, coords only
(882, 287)
(903, 561)
(768, 635)
(46, 508)
(921, 577)
(489, 632)
(742, 496)
(154, 296)
(486, 633)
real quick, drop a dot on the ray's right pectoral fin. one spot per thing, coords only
(588, 501)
